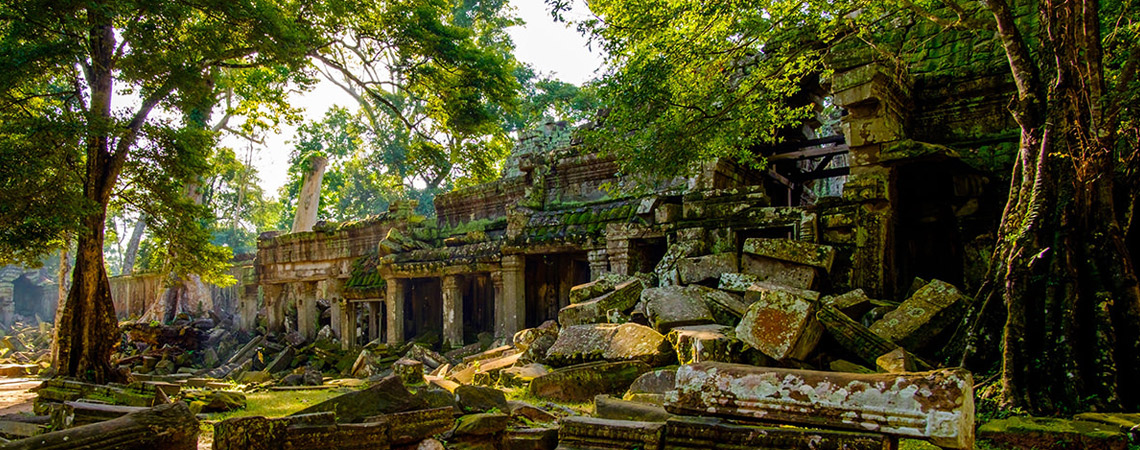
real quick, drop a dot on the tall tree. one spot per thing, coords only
(694, 79)
(86, 81)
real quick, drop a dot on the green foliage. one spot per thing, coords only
(687, 81)
(126, 129)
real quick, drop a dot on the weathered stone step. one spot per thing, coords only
(937, 405)
(683, 433)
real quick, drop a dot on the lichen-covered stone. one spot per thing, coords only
(409, 370)
(580, 383)
(609, 342)
(656, 382)
(386, 396)
(477, 399)
(936, 405)
(922, 317)
(701, 268)
(607, 407)
(481, 424)
(674, 306)
(779, 272)
(781, 323)
(684, 432)
(737, 282)
(1050, 433)
(853, 303)
(705, 343)
(589, 433)
(726, 308)
(799, 252)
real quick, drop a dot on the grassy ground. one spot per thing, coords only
(268, 404)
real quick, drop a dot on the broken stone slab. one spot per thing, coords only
(168, 427)
(609, 342)
(606, 407)
(856, 338)
(706, 343)
(320, 431)
(481, 424)
(666, 269)
(387, 396)
(582, 313)
(59, 390)
(688, 432)
(530, 439)
(605, 284)
(589, 433)
(282, 361)
(410, 371)
(781, 322)
(580, 383)
(530, 412)
(478, 399)
(737, 282)
(657, 382)
(1126, 423)
(521, 376)
(798, 252)
(413, 426)
(780, 272)
(622, 297)
(936, 405)
(488, 372)
(897, 361)
(726, 308)
(674, 306)
(919, 319)
(527, 337)
(1045, 433)
(710, 267)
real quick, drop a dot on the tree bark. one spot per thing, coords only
(133, 245)
(1061, 267)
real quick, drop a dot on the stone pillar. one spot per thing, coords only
(274, 296)
(7, 304)
(497, 282)
(599, 263)
(310, 199)
(247, 307)
(331, 290)
(395, 300)
(619, 256)
(347, 319)
(513, 305)
(307, 315)
(452, 311)
(373, 321)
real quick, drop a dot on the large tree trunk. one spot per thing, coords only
(85, 334)
(1071, 333)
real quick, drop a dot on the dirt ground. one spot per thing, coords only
(15, 396)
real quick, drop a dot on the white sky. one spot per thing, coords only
(551, 48)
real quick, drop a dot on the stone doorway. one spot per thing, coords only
(548, 282)
(423, 308)
(478, 306)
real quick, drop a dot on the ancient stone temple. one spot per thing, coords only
(28, 294)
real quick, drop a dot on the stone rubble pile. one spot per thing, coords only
(25, 350)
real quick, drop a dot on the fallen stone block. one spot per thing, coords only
(282, 361)
(853, 303)
(481, 424)
(588, 433)
(674, 306)
(710, 267)
(530, 412)
(657, 382)
(726, 308)
(410, 371)
(857, 338)
(478, 399)
(413, 426)
(527, 337)
(580, 383)
(1126, 423)
(385, 397)
(937, 405)
(780, 272)
(897, 361)
(587, 291)
(136, 394)
(488, 372)
(737, 282)
(919, 319)
(606, 407)
(521, 376)
(531, 439)
(781, 323)
(609, 342)
(1044, 433)
(707, 343)
(169, 427)
(710, 432)
(582, 313)
(798, 252)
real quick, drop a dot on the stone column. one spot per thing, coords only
(452, 311)
(274, 295)
(331, 290)
(307, 314)
(247, 307)
(619, 256)
(373, 321)
(513, 305)
(599, 263)
(497, 282)
(310, 199)
(7, 304)
(347, 324)
(395, 301)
